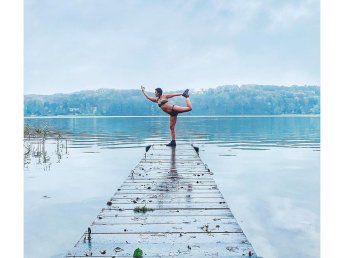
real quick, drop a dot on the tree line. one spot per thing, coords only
(223, 100)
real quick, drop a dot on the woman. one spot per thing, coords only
(172, 110)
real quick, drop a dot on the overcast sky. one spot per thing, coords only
(73, 45)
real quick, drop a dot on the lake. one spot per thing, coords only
(267, 168)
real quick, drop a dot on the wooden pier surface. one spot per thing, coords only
(189, 216)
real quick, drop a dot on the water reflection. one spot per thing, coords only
(172, 179)
(286, 173)
(173, 168)
(230, 133)
(234, 132)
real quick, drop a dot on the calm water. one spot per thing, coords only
(268, 169)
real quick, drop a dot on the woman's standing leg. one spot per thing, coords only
(173, 121)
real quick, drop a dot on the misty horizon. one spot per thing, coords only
(151, 89)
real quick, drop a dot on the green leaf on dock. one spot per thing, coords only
(138, 253)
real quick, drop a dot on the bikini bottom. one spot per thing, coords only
(173, 112)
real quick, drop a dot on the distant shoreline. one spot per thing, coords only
(228, 100)
(188, 116)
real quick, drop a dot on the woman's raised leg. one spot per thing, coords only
(188, 107)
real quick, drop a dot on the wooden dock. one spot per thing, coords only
(189, 216)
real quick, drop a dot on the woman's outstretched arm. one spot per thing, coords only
(144, 93)
(173, 95)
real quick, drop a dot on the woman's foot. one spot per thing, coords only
(186, 93)
(172, 144)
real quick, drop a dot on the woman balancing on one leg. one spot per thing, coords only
(172, 110)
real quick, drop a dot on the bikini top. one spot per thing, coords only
(162, 102)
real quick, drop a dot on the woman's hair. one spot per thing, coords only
(159, 90)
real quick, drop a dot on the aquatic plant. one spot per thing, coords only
(142, 209)
(27, 131)
(42, 132)
(35, 144)
(38, 131)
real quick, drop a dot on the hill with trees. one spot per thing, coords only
(223, 100)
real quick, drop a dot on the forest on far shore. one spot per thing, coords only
(222, 100)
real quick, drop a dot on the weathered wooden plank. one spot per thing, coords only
(188, 218)
(130, 195)
(166, 166)
(163, 175)
(180, 192)
(171, 199)
(176, 238)
(168, 185)
(170, 212)
(196, 227)
(167, 158)
(168, 250)
(184, 157)
(169, 188)
(166, 245)
(175, 205)
(169, 177)
(160, 220)
(185, 181)
(161, 164)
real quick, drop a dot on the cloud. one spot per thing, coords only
(290, 14)
(75, 45)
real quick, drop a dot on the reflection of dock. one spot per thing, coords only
(190, 217)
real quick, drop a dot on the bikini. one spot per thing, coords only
(173, 112)
(162, 102)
